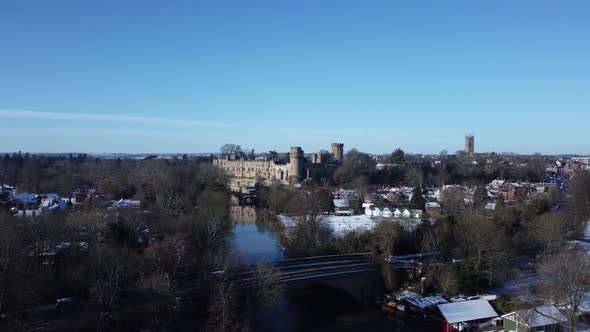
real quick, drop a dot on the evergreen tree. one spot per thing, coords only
(398, 157)
(418, 199)
(480, 196)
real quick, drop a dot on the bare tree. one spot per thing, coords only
(434, 238)
(549, 231)
(481, 242)
(223, 309)
(385, 236)
(164, 258)
(580, 192)
(307, 237)
(11, 251)
(309, 234)
(267, 284)
(235, 309)
(564, 278)
(448, 281)
(112, 269)
(229, 149)
(453, 200)
(310, 201)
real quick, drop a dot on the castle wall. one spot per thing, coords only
(249, 172)
(245, 173)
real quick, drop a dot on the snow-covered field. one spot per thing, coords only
(341, 225)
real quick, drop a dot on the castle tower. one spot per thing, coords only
(469, 144)
(296, 163)
(338, 151)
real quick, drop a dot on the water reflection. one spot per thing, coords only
(256, 235)
(308, 307)
(321, 308)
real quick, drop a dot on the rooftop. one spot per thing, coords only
(467, 311)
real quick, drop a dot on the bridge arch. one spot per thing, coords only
(365, 288)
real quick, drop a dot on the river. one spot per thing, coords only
(308, 308)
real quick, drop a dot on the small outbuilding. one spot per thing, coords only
(545, 318)
(433, 209)
(467, 315)
(342, 207)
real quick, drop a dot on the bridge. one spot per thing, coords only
(305, 268)
(330, 269)
(331, 265)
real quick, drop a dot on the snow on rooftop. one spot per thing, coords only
(542, 316)
(423, 302)
(490, 206)
(467, 311)
(341, 203)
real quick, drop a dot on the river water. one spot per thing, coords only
(311, 307)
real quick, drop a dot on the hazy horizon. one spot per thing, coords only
(193, 153)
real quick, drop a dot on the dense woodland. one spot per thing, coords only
(125, 270)
(149, 269)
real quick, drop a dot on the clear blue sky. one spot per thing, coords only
(145, 76)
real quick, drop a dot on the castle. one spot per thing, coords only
(245, 172)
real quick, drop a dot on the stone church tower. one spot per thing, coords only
(469, 144)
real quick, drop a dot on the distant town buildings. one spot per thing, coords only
(33, 205)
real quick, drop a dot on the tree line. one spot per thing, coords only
(128, 270)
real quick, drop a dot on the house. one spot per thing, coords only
(397, 213)
(48, 196)
(369, 211)
(82, 195)
(545, 318)
(51, 253)
(377, 212)
(6, 192)
(433, 209)
(387, 212)
(342, 207)
(406, 214)
(27, 198)
(490, 206)
(416, 214)
(53, 204)
(27, 213)
(125, 204)
(497, 184)
(466, 315)
(372, 198)
(394, 197)
(415, 304)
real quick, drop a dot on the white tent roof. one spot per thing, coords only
(467, 311)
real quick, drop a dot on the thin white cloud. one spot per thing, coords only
(97, 133)
(94, 117)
